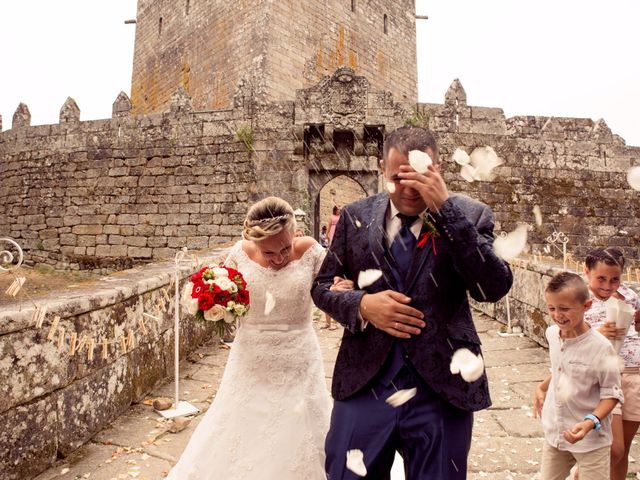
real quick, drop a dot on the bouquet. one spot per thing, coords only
(218, 295)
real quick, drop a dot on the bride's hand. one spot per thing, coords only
(341, 284)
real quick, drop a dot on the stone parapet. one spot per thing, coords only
(52, 402)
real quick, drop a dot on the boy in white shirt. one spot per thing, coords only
(581, 391)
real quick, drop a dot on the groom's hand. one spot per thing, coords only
(390, 311)
(429, 185)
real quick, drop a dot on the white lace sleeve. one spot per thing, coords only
(318, 252)
(232, 257)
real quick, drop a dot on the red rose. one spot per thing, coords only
(205, 302)
(242, 296)
(198, 289)
(197, 277)
(222, 297)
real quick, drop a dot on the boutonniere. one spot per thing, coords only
(431, 233)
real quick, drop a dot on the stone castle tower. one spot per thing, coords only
(268, 48)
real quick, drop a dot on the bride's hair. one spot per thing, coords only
(268, 217)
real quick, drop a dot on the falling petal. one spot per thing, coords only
(358, 224)
(461, 157)
(537, 214)
(469, 365)
(564, 388)
(367, 277)
(511, 245)
(633, 177)
(419, 160)
(484, 159)
(468, 173)
(391, 187)
(355, 462)
(269, 303)
(401, 397)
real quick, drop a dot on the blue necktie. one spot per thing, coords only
(404, 245)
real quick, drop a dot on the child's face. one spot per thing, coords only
(603, 279)
(567, 312)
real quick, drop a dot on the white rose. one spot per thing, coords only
(191, 306)
(215, 313)
(220, 272)
(226, 284)
(239, 309)
(229, 317)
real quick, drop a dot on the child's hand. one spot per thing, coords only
(341, 285)
(538, 401)
(578, 432)
(610, 331)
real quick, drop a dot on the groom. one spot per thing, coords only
(433, 248)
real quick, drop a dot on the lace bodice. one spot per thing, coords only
(271, 413)
(288, 286)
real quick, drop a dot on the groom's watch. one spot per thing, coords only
(594, 419)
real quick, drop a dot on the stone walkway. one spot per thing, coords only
(506, 441)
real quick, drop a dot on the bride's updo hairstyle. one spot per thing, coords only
(268, 217)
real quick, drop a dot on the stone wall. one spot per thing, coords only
(575, 169)
(52, 402)
(526, 298)
(270, 48)
(110, 193)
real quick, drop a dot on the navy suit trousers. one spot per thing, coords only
(432, 436)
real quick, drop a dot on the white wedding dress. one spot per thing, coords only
(271, 414)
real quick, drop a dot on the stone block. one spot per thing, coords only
(86, 241)
(31, 366)
(87, 229)
(28, 440)
(136, 241)
(68, 239)
(86, 406)
(138, 252)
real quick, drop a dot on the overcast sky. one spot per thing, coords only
(545, 57)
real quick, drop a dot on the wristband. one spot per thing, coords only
(595, 420)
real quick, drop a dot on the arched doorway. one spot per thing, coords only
(340, 191)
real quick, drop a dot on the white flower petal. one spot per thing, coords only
(419, 160)
(469, 365)
(511, 245)
(468, 173)
(358, 224)
(355, 462)
(401, 397)
(633, 177)
(484, 159)
(367, 277)
(564, 388)
(461, 157)
(185, 298)
(269, 303)
(537, 213)
(391, 187)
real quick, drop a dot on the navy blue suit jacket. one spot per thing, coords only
(438, 284)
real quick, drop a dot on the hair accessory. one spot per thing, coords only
(269, 219)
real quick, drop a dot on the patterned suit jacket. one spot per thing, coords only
(438, 284)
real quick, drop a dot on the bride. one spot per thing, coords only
(271, 414)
